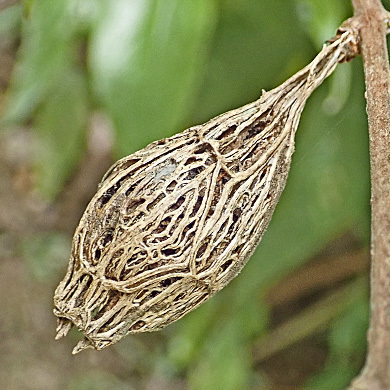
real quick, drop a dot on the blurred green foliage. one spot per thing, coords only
(45, 254)
(146, 60)
(155, 67)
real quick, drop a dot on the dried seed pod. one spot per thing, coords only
(173, 223)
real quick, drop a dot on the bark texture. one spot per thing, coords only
(372, 24)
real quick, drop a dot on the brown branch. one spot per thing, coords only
(317, 275)
(372, 26)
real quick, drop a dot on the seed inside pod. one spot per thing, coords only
(173, 223)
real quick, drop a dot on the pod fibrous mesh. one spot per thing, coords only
(173, 223)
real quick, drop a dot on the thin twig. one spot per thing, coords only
(311, 320)
(318, 275)
(373, 24)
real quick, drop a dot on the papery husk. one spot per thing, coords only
(175, 222)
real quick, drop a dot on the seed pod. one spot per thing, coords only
(173, 223)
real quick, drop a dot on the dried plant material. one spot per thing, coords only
(173, 223)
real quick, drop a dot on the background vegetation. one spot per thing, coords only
(86, 82)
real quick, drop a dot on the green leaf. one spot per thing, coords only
(189, 333)
(27, 5)
(225, 363)
(198, 329)
(321, 19)
(60, 125)
(348, 333)
(146, 58)
(44, 55)
(257, 45)
(340, 88)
